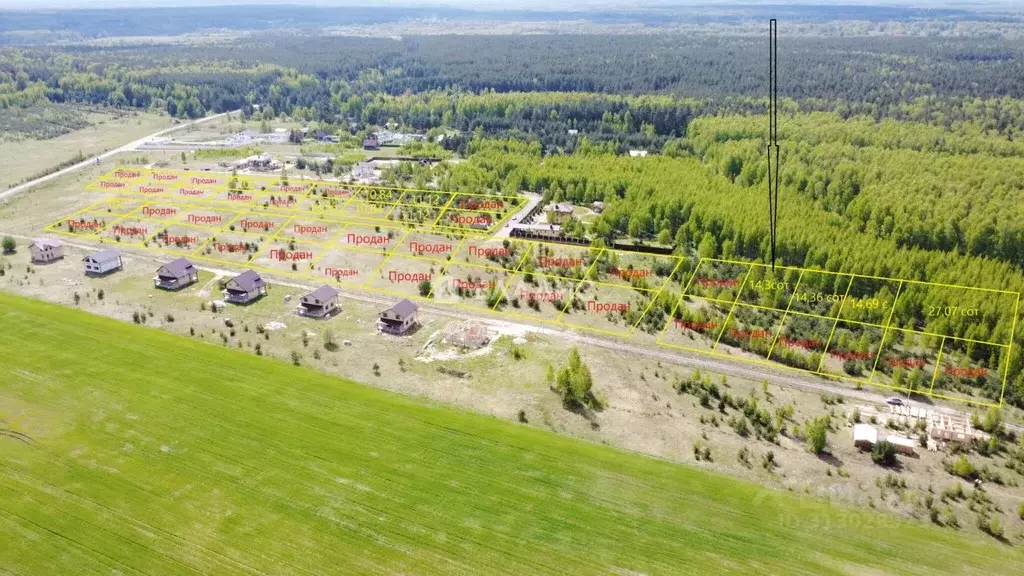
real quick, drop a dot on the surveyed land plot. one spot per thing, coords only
(903, 335)
(454, 212)
(910, 336)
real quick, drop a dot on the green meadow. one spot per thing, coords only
(127, 450)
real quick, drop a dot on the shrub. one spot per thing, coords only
(744, 456)
(136, 318)
(100, 294)
(768, 461)
(954, 492)
(9, 245)
(168, 318)
(963, 468)
(990, 525)
(855, 417)
(296, 357)
(521, 416)
(78, 298)
(884, 453)
(259, 349)
(817, 434)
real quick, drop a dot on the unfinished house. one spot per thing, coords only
(398, 319)
(245, 288)
(176, 275)
(45, 250)
(320, 303)
(103, 262)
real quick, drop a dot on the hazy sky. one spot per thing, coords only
(486, 4)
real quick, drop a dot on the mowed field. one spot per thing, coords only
(152, 453)
(21, 159)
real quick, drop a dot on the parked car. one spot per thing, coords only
(894, 400)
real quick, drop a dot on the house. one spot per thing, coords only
(597, 207)
(865, 436)
(176, 274)
(371, 143)
(637, 153)
(103, 261)
(46, 250)
(399, 318)
(320, 303)
(559, 213)
(258, 162)
(245, 288)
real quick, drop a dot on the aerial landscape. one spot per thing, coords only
(479, 288)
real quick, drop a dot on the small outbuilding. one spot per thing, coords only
(245, 288)
(45, 250)
(176, 275)
(398, 319)
(103, 262)
(597, 207)
(371, 143)
(320, 303)
(865, 436)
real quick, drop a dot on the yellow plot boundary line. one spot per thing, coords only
(782, 323)
(508, 283)
(1009, 350)
(579, 284)
(654, 299)
(881, 345)
(831, 334)
(725, 324)
(938, 367)
(385, 261)
(441, 274)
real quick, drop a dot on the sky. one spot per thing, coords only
(480, 4)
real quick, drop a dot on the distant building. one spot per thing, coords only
(103, 262)
(865, 436)
(258, 162)
(245, 288)
(398, 319)
(176, 275)
(45, 250)
(637, 153)
(597, 207)
(371, 143)
(320, 303)
(559, 213)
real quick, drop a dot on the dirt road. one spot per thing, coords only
(96, 159)
(681, 358)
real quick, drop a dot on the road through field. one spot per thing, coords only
(95, 159)
(680, 357)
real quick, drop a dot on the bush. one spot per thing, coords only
(817, 434)
(884, 453)
(522, 416)
(768, 461)
(963, 468)
(296, 357)
(168, 318)
(990, 525)
(954, 492)
(9, 245)
(100, 294)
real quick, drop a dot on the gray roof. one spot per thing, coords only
(404, 309)
(248, 281)
(323, 293)
(48, 242)
(178, 268)
(103, 256)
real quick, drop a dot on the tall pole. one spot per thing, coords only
(773, 135)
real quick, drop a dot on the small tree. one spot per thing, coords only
(884, 453)
(296, 357)
(9, 245)
(425, 288)
(817, 434)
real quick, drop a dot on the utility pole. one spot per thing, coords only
(773, 135)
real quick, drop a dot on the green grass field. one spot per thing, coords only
(156, 454)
